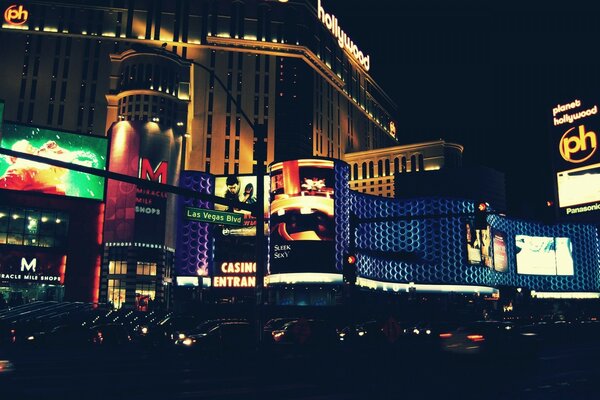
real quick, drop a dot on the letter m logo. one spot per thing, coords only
(158, 174)
(25, 266)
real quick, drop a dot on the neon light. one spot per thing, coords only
(293, 278)
(570, 145)
(344, 41)
(16, 15)
(565, 295)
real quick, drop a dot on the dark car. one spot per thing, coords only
(306, 332)
(110, 335)
(74, 335)
(231, 338)
(272, 325)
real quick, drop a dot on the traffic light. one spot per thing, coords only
(349, 269)
(481, 210)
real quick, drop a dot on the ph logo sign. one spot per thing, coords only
(16, 15)
(578, 146)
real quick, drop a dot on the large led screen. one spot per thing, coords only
(243, 189)
(578, 186)
(302, 225)
(21, 174)
(538, 255)
(500, 258)
(473, 245)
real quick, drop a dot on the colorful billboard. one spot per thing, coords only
(21, 174)
(243, 189)
(538, 255)
(32, 266)
(575, 127)
(133, 213)
(500, 258)
(302, 225)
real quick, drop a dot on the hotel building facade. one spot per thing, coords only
(81, 66)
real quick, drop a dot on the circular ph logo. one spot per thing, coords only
(578, 146)
(16, 15)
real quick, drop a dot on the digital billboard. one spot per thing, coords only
(473, 244)
(486, 247)
(243, 189)
(575, 127)
(21, 174)
(538, 255)
(32, 266)
(500, 258)
(302, 225)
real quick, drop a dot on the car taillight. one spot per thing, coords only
(476, 338)
(445, 335)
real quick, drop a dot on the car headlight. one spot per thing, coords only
(181, 336)
(188, 341)
(144, 330)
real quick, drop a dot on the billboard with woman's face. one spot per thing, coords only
(302, 225)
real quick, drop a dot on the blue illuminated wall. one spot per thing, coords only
(194, 239)
(433, 250)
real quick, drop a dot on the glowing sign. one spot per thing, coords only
(577, 144)
(392, 128)
(236, 281)
(570, 118)
(16, 15)
(157, 174)
(344, 41)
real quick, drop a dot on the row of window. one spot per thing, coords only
(367, 169)
(119, 267)
(29, 227)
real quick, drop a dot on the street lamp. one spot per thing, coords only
(260, 154)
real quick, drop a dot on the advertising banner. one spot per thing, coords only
(21, 174)
(243, 189)
(575, 127)
(32, 266)
(143, 150)
(500, 257)
(538, 255)
(302, 225)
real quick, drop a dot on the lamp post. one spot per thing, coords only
(260, 155)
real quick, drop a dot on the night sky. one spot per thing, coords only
(483, 74)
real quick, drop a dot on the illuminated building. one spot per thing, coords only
(316, 98)
(373, 171)
(82, 65)
(50, 218)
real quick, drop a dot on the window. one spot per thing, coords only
(117, 267)
(355, 171)
(379, 168)
(146, 268)
(116, 292)
(364, 171)
(387, 167)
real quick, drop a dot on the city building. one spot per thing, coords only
(373, 171)
(81, 66)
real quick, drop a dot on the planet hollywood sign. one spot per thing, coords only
(344, 41)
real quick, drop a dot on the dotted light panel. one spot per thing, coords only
(194, 239)
(340, 208)
(399, 243)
